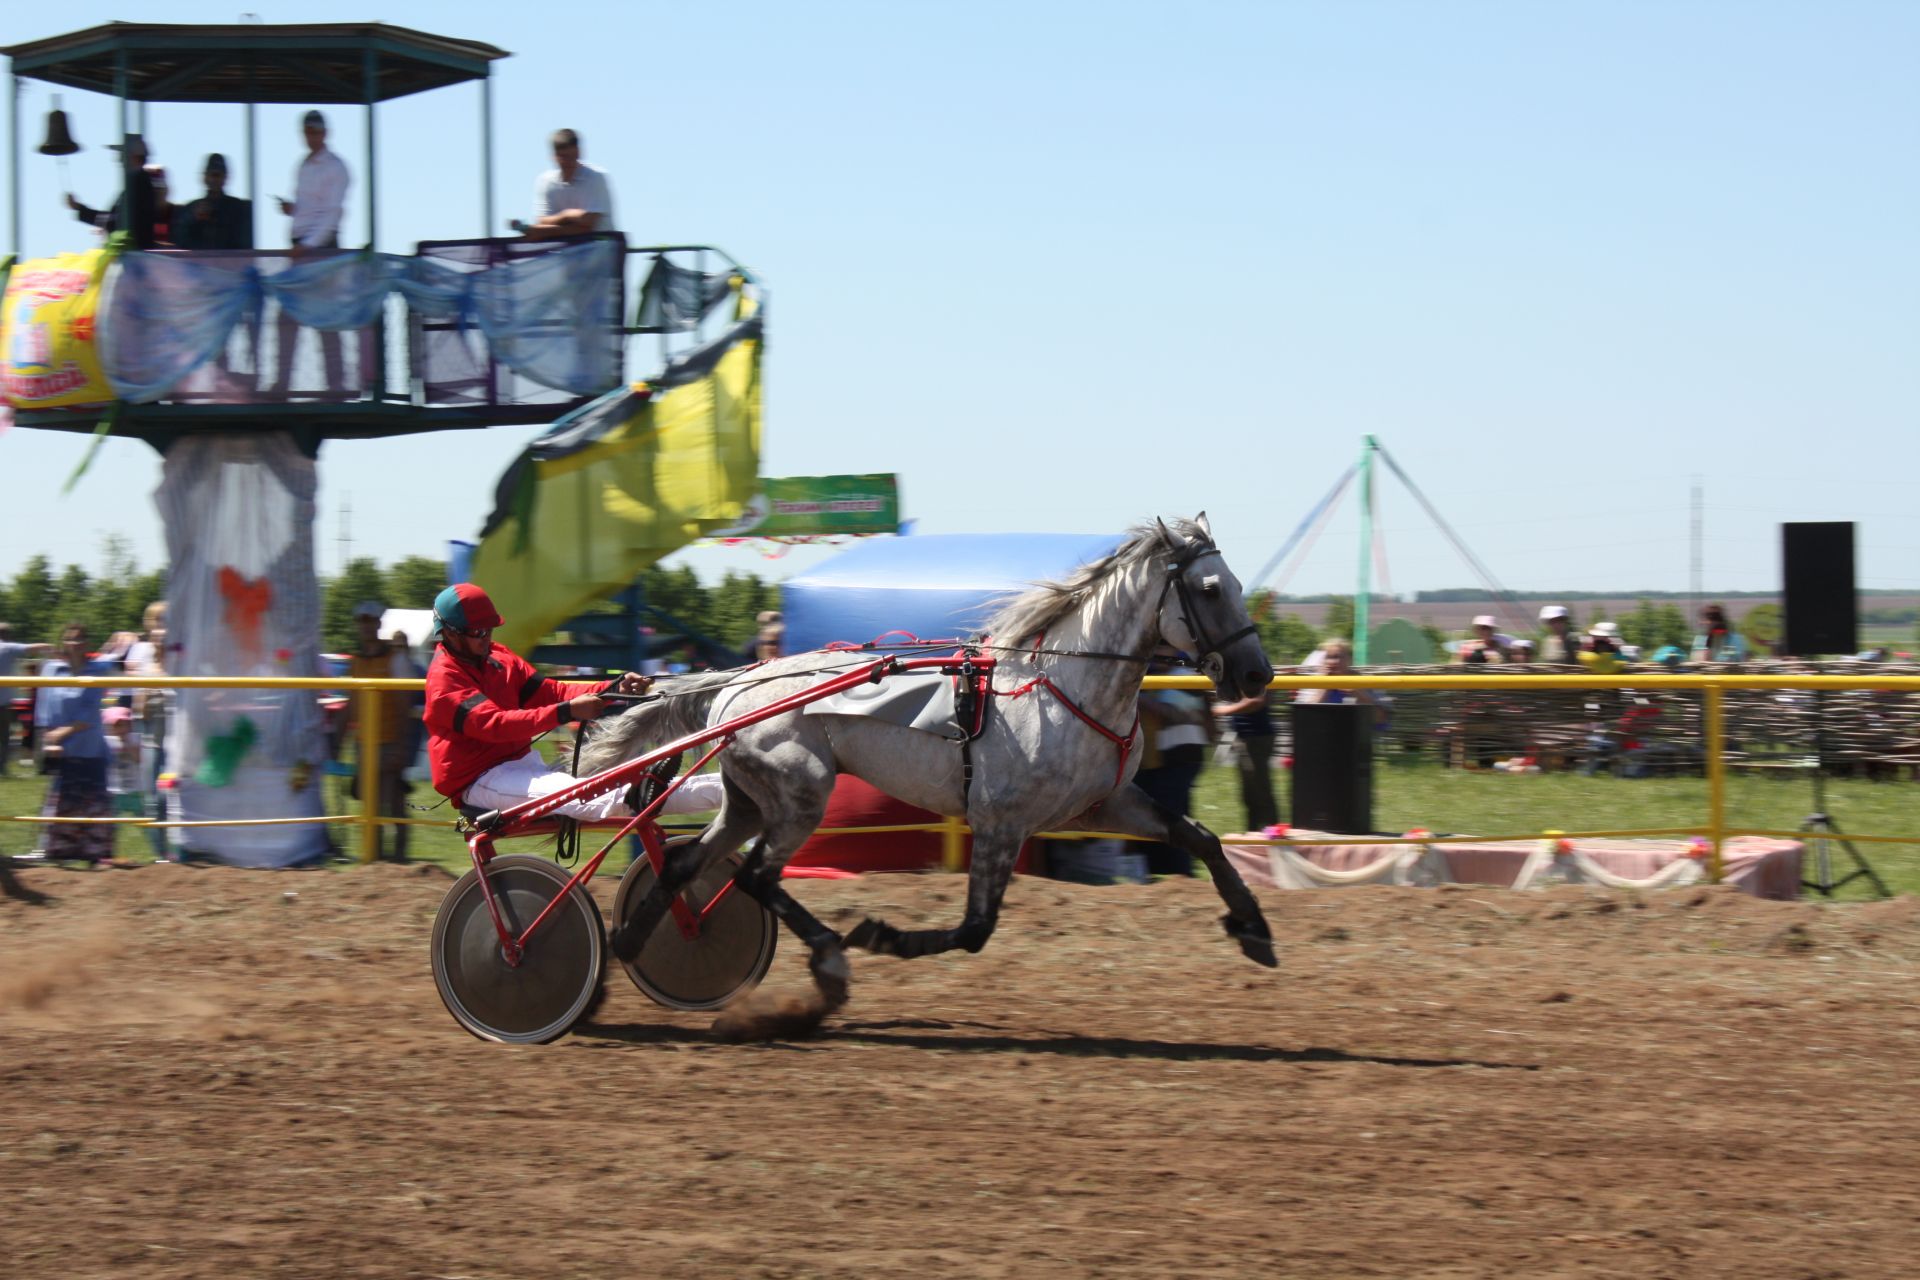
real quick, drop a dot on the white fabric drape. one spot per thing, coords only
(243, 600)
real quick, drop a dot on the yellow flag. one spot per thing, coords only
(626, 481)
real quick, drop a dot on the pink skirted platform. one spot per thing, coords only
(1762, 866)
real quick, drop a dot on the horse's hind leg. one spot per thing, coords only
(994, 854)
(759, 878)
(1131, 812)
(738, 821)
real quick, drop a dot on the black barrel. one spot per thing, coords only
(1333, 766)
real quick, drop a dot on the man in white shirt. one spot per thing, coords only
(319, 200)
(572, 199)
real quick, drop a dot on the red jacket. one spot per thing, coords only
(483, 714)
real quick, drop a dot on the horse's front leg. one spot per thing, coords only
(994, 853)
(1131, 812)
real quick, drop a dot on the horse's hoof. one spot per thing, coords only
(832, 975)
(872, 935)
(1256, 943)
(1260, 951)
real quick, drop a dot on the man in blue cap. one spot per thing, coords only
(486, 705)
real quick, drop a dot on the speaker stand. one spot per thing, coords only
(1825, 834)
(1821, 826)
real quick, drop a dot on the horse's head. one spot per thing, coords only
(1203, 612)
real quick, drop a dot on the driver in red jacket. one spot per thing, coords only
(486, 704)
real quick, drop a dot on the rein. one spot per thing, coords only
(1124, 745)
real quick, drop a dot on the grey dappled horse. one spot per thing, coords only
(1036, 766)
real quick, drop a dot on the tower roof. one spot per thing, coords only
(253, 62)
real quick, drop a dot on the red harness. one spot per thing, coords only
(1123, 745)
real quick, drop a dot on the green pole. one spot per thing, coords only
(1363, 593)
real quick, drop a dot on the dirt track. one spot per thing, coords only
(219, 1073)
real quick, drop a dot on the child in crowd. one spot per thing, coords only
(126, 783)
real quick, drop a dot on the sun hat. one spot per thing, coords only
(1485, 620)
(1606, 629)
(1549, 612)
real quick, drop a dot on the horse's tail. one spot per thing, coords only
(679, 707)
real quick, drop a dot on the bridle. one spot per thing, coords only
(1205, 645)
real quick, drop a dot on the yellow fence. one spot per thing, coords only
(1713, 687)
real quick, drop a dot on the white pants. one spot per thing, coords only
(530, 777)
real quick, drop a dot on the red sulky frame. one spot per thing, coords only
(535, 817)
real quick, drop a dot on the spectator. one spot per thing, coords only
(1335, 658)
(1173, 727)
(1251, 720)
(1486, 645)
(70, 736)
(10, 654)
(1521, 650)
(163, 208)
(1602, 655)
(1718, 641)
(416, 731)
(216, 220)
(572, 199)
(1618, 747)
(1560, 646)
(486, 705)
(319, 201)
(375, 659)
(138, 203)
(126, 795)
(147, 657)
(770, 641)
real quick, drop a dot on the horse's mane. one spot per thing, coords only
(1021, 616)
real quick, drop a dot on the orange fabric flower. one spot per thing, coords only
(247, 601)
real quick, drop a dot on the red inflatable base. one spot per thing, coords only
(857, 804)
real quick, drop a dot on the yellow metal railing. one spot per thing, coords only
(953, 831)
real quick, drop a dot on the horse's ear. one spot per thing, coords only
(1173, 540)
(1205, 528)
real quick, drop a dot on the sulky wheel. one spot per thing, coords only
(730, 956)
(558, 978)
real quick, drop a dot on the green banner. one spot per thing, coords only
(819, 506)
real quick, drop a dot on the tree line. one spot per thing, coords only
(39, 600)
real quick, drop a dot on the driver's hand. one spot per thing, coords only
(587, 706)
(634, 682)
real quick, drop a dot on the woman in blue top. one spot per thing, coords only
(68, 721)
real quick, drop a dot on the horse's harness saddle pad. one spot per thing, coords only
(922, 700)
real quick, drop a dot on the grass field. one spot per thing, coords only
(1406, 795)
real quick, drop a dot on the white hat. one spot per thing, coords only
(1549, 612)
(1485, 620)
(1523, 643)
(1607, 629)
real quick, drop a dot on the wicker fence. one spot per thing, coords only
(1655, 728)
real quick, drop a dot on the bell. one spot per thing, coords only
(59, 138)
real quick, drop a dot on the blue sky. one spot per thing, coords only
(1062, 266)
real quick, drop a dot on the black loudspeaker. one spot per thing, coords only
(1822, 606)
(1333, 766)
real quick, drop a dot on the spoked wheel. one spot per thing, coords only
(558, 978)
(730, 956)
